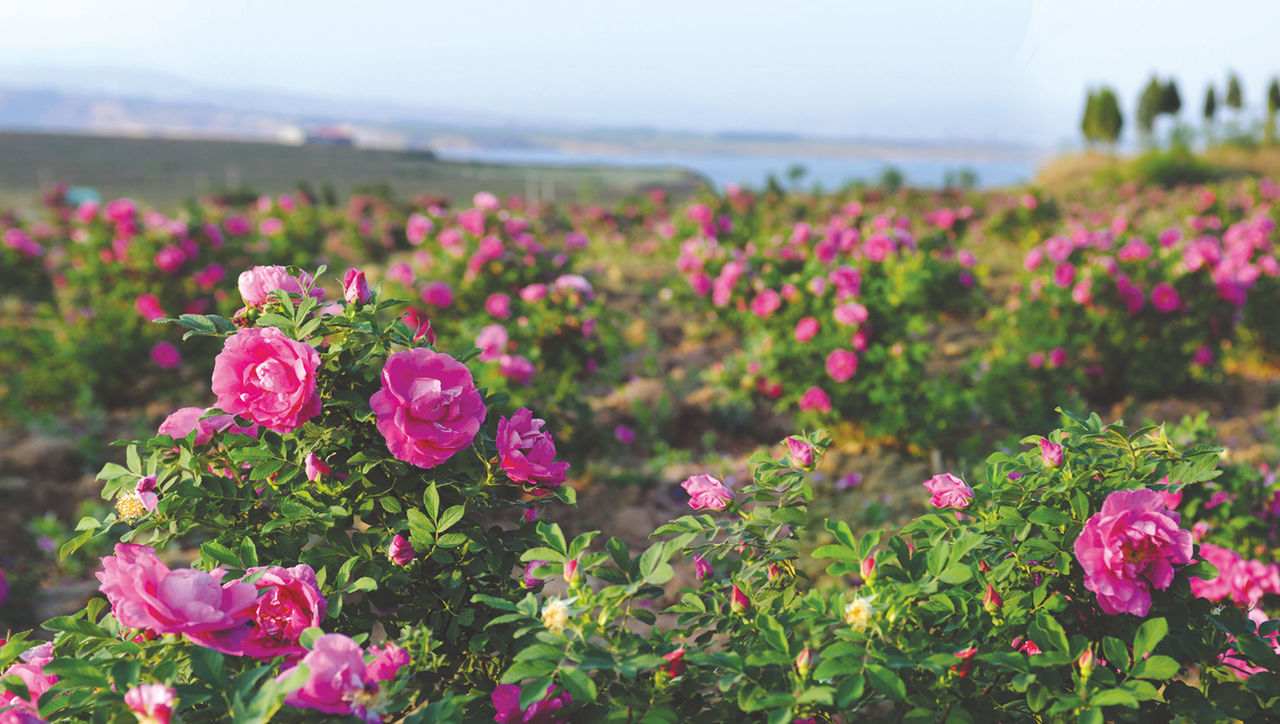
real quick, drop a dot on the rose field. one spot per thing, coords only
(759, 455)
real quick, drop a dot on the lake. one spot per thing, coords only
(832, 172)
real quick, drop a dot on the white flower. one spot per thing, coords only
(555, 614)
(858, 613)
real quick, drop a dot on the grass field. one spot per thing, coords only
(166, 172)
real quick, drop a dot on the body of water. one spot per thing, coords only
(831, 172)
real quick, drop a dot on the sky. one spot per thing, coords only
(992, 70)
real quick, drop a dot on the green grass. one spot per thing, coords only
(167, 172)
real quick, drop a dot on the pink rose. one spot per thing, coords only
(473, 221)
(428, 407)
(263, 375)
(182, 421)
(948, 491)
(624, 434)
(148, 305)
(766, 303)
(290, 603)
(806, 328)
(355, 288)
(506, 702)
(498, 305)
(1165, 298)
(815, 398)
(706, 492)
(401, 551)
(1130, 547)
(417, 228)
(146, 594)
(533, 292)
(340, 681)
(257, 283)
(516, 368)
(146, 490)
(315, 467)
(493, 340)
(387, 662)
(702, 568)
(437, 294)
(165, 355)
(527, 451)
(851, 313)
(151, 703)
(31, 672)
(842, 364)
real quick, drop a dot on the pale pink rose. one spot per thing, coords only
(493, 340)
(850, 313)
(1058, 248)
(815, 398)
(151, 703)
(806, 328)
(146, 490)
(355, 288)
(533, 292)
(169, 259)
(1129, 548)
(182, 421)
(267, 377)
(165, 355)
(257, 284)
(528, 452)
(417, 228)
(842, 364)
(472, 221)
(498, 305)
(706, 492)
(401, 551)
(948, 491)
(878, 246)
(31, 671)
(146, 594)
(516, 368)
(428, 407)
(340, 682)
(575, 283)
(290, 603)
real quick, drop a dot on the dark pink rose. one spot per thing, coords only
(428, 407)
(267, 377)
(355, 288)
(506, 702)
(527, 451)
(706, 492)
(290, 603)
(257, 283)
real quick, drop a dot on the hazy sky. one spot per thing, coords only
(1011, 70)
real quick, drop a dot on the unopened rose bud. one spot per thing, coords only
(401, 551)
(316, 467)
(801, 452)
(702, 568)
(738, 601)
(675, 665)
(803, 661)
(355, 288)
(1050, 453)
(571, 571)
(992, 601)
(1086, 663)
(531, 581)
(868, 568)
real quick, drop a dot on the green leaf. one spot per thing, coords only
(1150, 634)
(1156, 667)
(422, 531)
(771, 633)
(554, 538)
(431, 501)
(528, 669)
(835, 551)
(886, 682)
(450, 516)
(1114, 697)
(309, 635)
(209, 666)
(78, 671)
(363, 584)
(579, 685)
(1046, 630)
(218, 553)
(75, 624)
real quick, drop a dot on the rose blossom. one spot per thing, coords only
(165, 355)
(146, 594)
(850, 313)
(1050, 453)
(1130, 547)
(506, 702)
(182, 421)
(527, 451)
(702, 567)
(437, 294)
(806, 328)
(842, 364)
(340, 682)
(267, 377)
(517, 368)
(815, 398)
(706, 492)
(493, 340)
(291, 604)
(948, 491)
(31, 671)
(256, 284)
(315, 467)
(801, 452)
(428, 407)
(1165, 298)
(151, 703)
(498, 305)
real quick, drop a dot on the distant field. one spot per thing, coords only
(168, 171)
